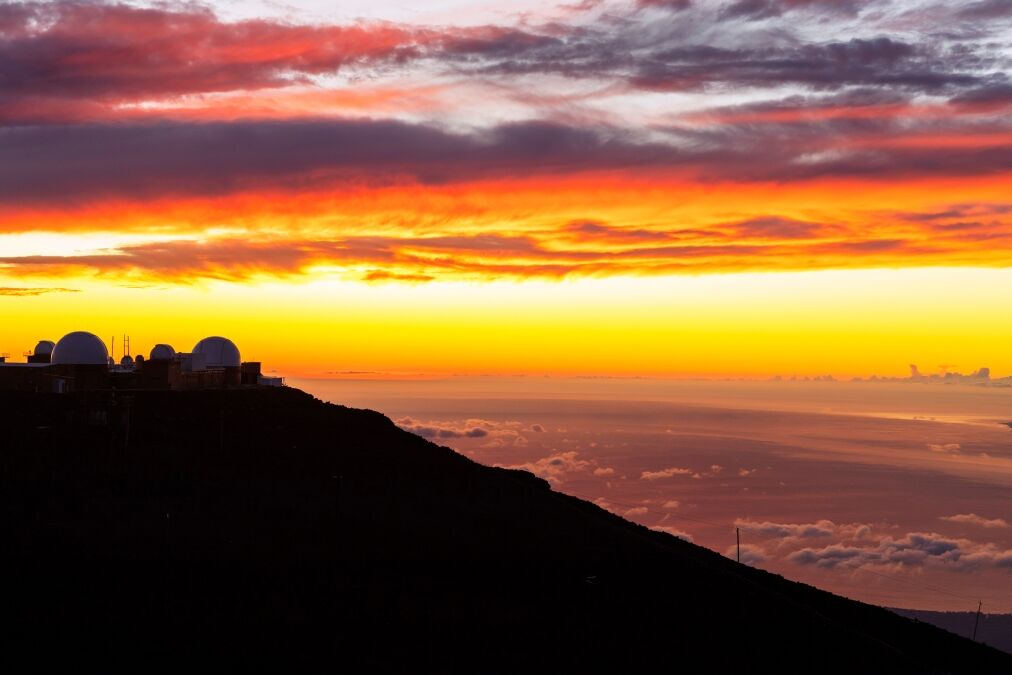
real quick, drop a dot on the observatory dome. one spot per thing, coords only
(44, 348)
(218, 352)
(126, 361)
(80, 349)
(163, 353)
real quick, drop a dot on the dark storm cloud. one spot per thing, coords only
(879, 62)
(999, 93)
(986, 9)
(54, 164)
(753, 10)
(59, 59)
(671, 5)
(88, 49)
(673, 65)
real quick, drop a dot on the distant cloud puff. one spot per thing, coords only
(555, 467)
(673, 532)
(750, 555)
(666, 473)
(911, 550)
(822, 528)
(974, 519)
(854, 546)
(446, 430)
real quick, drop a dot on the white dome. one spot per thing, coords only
(163, 353)
(126, 361)
(80, 349)
(44, 348)
(218, 352)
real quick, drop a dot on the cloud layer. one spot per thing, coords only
(544, 147)
(857, 546)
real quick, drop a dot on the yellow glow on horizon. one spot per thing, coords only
(846, 323)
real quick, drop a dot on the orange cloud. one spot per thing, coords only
(11, 291)
(535, 228)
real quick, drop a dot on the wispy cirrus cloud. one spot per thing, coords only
(117, 53)
(28, 292)
(571, 249)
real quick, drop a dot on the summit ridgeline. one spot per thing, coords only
(262, 529)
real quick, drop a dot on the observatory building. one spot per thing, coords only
(80, 361)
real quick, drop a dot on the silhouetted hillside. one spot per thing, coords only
(992, 629)
(264, 529)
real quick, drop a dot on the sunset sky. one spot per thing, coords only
(635, 187)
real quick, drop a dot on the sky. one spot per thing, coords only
(586, 199)
(728, 188)
(897, 494)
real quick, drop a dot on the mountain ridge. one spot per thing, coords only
(187, 523)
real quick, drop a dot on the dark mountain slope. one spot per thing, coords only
(265, 529)
(992, 629)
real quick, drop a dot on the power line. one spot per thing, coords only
(914, 583)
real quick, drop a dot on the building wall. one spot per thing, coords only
(250, 372)
(18, 377)
(52, 378)
(147, 375)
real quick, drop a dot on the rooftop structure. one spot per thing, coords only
(80, 361)
(162, 352)
(80, 349)
(44, 348)
(218, 352)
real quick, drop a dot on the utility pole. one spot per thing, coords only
(980, 603)
(737, 539)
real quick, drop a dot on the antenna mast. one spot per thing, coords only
(980, 603)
